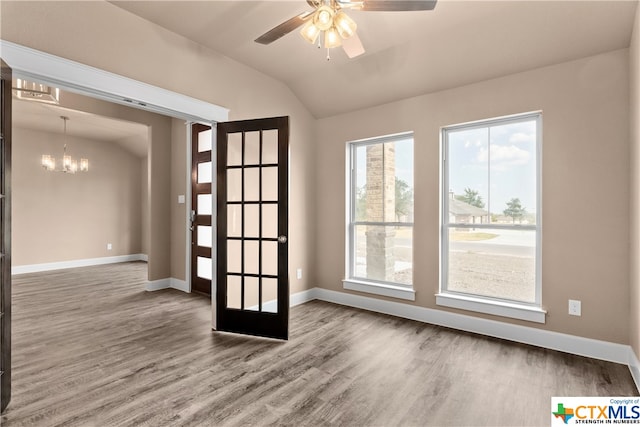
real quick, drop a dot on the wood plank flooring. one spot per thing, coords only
(92, 348)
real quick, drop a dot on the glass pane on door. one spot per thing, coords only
(205, 268)
(205, 204)
(205, 236)
(234, 149)
(204, 141)
(270, 184)
(251, 293)
(270, 146)
(270, 220)
(204, 172)
(234, 292)
(251, 148)
(270, 295)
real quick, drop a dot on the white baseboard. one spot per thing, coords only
(302, 297)
(49, 266)
(156, 285)
(294, 299)
(168, 283)
(180, 285)
(634, 367)
(596, 349)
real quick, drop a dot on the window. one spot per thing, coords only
(490, 249)
(380, 216)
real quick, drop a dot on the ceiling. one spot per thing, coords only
(46, 118)
(407, 53)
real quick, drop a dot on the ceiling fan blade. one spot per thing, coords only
(397, 5)
(283, 29)
(353, 46)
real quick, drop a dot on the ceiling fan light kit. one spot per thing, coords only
(335, 24)
(331, 22)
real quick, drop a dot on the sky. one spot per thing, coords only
(499, 162)
(403, 157)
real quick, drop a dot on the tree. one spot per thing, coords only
(515, 209)
(471, 197)
(404, 198)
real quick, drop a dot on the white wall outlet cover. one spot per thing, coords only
(575, 307)
(299, 273)
(109, 246)
(181, 198)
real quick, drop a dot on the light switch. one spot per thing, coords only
(181, 199)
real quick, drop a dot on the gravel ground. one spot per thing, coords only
(491, 275)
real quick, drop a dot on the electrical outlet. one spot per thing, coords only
(299, 273)
(575, 307)
(109, 246)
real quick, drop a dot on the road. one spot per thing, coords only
(495, 249)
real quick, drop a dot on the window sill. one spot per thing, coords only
(380, 289)
(497, 308)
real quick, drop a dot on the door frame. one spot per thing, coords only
(97, 83)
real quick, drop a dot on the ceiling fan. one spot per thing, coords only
(329, 26)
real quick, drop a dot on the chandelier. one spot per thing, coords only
(32, 91)
(330, 22)
(68, 165)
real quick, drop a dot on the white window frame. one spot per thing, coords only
(352, 282)
(490, 305)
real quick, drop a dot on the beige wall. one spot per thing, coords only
(159, 175)
(634, 253)
(104, 36)
(585, 184)
(63, 217)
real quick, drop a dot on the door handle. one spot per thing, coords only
(192, 217)
(282, 239)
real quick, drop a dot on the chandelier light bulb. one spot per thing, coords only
(66, 161)
(345, 25)
(48, 162)
(332, 38)
(310, 32)
(323, 18)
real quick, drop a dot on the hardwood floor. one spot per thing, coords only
(92, 348)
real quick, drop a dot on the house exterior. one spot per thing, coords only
(464, 213)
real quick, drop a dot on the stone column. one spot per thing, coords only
(381, 202)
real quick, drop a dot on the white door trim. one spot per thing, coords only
(87, 80)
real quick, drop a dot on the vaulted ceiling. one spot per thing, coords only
(407, 53)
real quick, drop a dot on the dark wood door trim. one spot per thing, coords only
(199, 284)
(5, 240)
